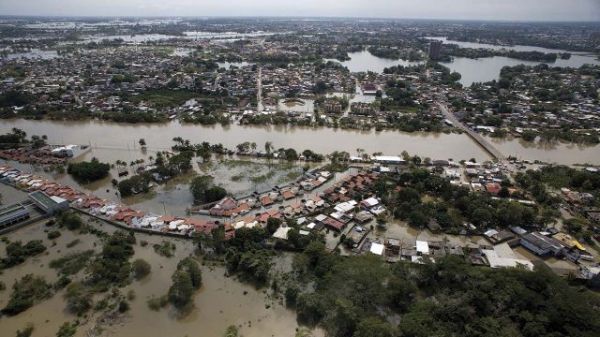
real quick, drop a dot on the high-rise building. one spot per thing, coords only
(435, 49)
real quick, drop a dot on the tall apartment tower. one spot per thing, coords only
(435, 49)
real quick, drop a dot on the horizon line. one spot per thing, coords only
(86, 16)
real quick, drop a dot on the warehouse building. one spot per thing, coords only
(12, 214)
(49, 205)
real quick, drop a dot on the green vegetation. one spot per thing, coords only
(11, 98)
(27, 291)
(26, 332)
(79, 298)
(88, 171)
(231, 331)
(112, 267)
(186, 279)
(13, 139)
(17, 253)
(157, 303)
(165, 248)
(53, 235)
(71, 220)
(246, 256)
(164, 98)
(67, 330)
(140, 269)
(72, 263)
(543, 183)
(134, 185)
(73, 243)
(354, 296)
(450, 206)
(204, 191)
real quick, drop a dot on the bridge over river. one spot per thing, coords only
(487, 146)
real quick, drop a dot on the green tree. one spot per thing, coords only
(140, 269)
(67, 330)
(373, 327)
(88, 171)
(181, 291)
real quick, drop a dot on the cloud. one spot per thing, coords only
(554, 10)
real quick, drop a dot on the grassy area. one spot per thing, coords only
(165, 98)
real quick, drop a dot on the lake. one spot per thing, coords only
(487, 69)
(364, 61)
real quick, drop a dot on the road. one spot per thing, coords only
(487, 146)
(259, 104)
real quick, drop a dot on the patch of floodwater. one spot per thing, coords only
(296, 105)
(225, 35)
(363, 61)
(488, 68)
(32, 54)
(182, 52)
(222, 300)
(139, 38)
(228, 65)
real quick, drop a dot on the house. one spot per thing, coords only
(333, 223)
(287, 194)
(502, 256)
(377, 248)
(422, 247)
(223, 207)
(393, 246)
(389, 160)
(282, 233)
(266, 200)
(369, 203)
(363, 217)
(493, 188)
(588, 272)
(568, 241)
(540, 244)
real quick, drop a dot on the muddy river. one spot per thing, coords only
(112, 141)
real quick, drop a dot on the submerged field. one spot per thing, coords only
(221, 301)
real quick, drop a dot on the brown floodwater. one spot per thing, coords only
(174, 197)
(112, 141)
(222, 301)
(553, 152)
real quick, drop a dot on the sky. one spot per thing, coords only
(513, 10)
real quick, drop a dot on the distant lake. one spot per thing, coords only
(488, 68)
(130, 38)
(225, 35)
(364, 61)
(33, 54)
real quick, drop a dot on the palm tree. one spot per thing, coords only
(268, 149)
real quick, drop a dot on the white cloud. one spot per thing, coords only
(577, 10)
